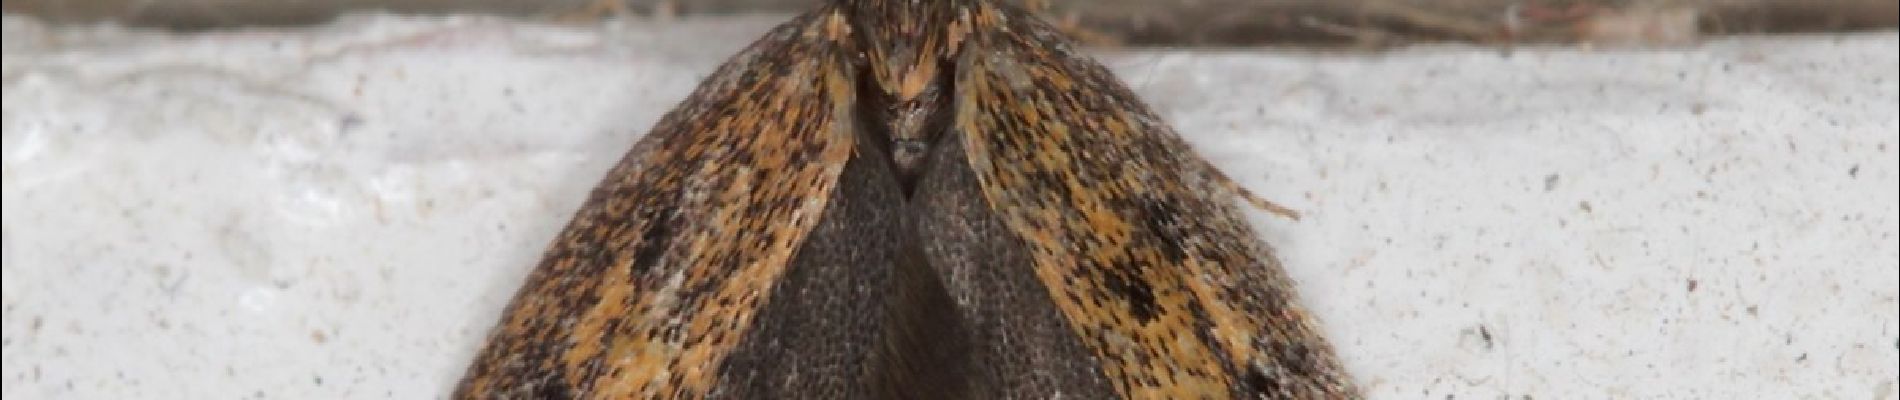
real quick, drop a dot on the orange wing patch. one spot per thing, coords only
(652, 283)
(1133, 234)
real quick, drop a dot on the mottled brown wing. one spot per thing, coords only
(716, 260)
(1137, 240)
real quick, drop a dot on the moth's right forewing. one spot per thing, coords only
(1135, 239)
(653, 284)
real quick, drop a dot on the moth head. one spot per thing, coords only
(907, 50)
(906, 44)
(909, 125)
(914, 124)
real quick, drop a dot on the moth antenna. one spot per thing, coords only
(1266, 205)
(1258, 202)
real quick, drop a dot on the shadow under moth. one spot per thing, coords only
(909, 199)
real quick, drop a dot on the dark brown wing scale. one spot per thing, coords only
(909, 199)
(662, 273)
(1136, 238)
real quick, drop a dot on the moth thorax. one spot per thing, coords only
(906, 128)
(913, 125)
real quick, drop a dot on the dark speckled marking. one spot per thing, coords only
(909, 199)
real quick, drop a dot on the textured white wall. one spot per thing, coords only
(340, 212)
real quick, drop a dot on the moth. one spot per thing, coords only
(909, 199)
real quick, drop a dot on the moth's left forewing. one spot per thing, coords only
(1137, 239)
(673, 275)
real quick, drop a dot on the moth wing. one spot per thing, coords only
(663, 281)
(1016, 333)
(1136, 239)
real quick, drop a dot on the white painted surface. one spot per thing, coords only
(340, 212)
